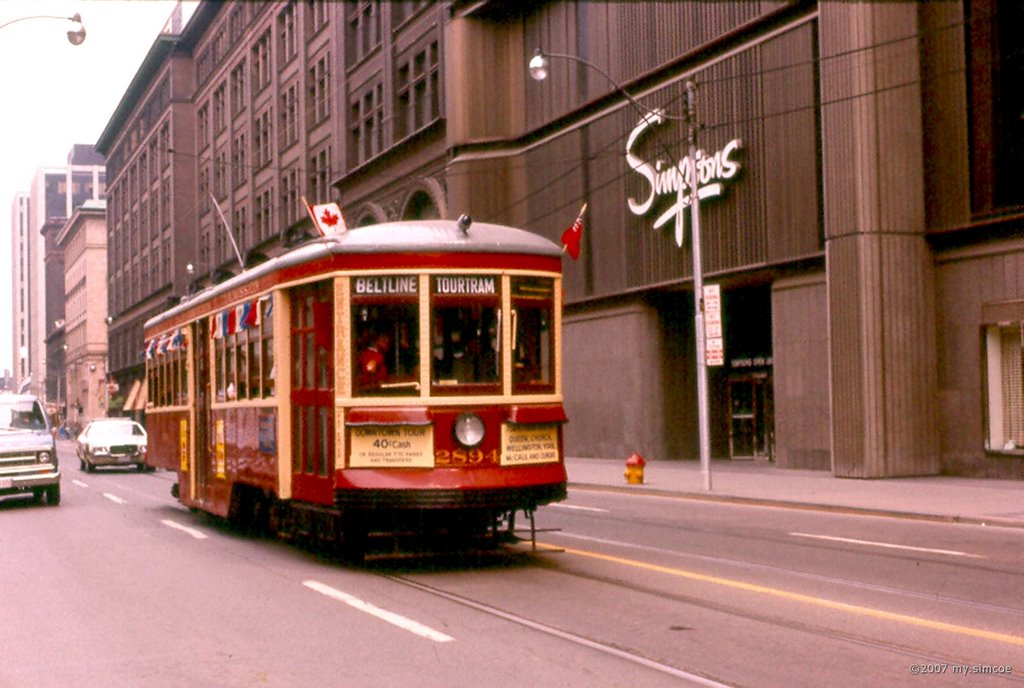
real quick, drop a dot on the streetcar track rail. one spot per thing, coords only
(770, 537)
(992, 521)
(627, 654)
(804, 575)
(831, 634)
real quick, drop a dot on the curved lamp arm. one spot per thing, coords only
(539, 72)
(75, 36)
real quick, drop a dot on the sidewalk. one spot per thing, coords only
(966, 500)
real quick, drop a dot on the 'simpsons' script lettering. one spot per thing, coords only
(676, 179)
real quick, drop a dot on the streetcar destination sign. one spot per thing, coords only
(530, 444)
(458, 285)
(386, 284)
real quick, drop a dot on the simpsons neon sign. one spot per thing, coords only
(676, 179)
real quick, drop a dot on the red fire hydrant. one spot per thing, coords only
(635, 469)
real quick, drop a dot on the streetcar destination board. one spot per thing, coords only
(465, 285)
(386, 284)
(392, 446)
(526, 444)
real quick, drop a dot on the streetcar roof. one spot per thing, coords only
(408, 236)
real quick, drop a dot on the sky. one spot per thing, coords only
(56, 95)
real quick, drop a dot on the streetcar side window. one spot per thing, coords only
(243, 352)
(465, 334)
(532, 327)
(220, 374)
(385, 335)
(267, 372)
(166, 379)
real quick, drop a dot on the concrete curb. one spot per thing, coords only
(804, 506)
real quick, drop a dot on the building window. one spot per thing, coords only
(289, 198)
(238, 90)
(236, 22)
(220, 174)
(289, 131)
(996, 109)
(263, 214)
(219, 107)
(165, 204)
(417, 91)
(1004, 347)
(318, 14)
(205, 255)
(220, 242)
(320, 176)
(204, 190)
(165, 262)
(367, 121)
(241, 226)
(400, 11)
(261, 62)
(239, 161)
(363, 29)
(319, 89)
(261, 138)
(286, 39)
(203, 123)
(204, 65)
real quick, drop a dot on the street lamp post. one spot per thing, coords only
(538, 66)
(75, 36)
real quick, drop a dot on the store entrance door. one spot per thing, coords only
(751, 423)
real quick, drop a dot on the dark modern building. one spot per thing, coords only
(861, 199)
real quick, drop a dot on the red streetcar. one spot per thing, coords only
(401, 377)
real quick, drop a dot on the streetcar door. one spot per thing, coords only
(204, 412)
(312, 394)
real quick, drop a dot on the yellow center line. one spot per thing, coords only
(798, 597)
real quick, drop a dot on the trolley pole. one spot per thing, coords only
(698, 286)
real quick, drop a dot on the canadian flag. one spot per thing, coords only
(327, 218)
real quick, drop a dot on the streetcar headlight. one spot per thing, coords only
(469, 430)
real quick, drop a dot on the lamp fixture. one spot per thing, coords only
(75, 36)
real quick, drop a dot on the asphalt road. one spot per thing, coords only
(119, 586)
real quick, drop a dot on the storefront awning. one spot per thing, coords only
(141, 397)
(129, 402)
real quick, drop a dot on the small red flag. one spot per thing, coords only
(572, 236)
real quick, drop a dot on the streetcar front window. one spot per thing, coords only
(532, 327)
(466, 334)
(385, 331)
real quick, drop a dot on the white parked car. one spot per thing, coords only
(112, 442)
(28, 454)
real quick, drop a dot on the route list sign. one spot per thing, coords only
(526, 444)
(392, 446)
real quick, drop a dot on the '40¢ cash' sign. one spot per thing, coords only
(392, 446)
(526, 444)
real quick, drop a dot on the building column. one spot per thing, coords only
(882, 339)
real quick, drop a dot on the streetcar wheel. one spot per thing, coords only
(354, 543)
